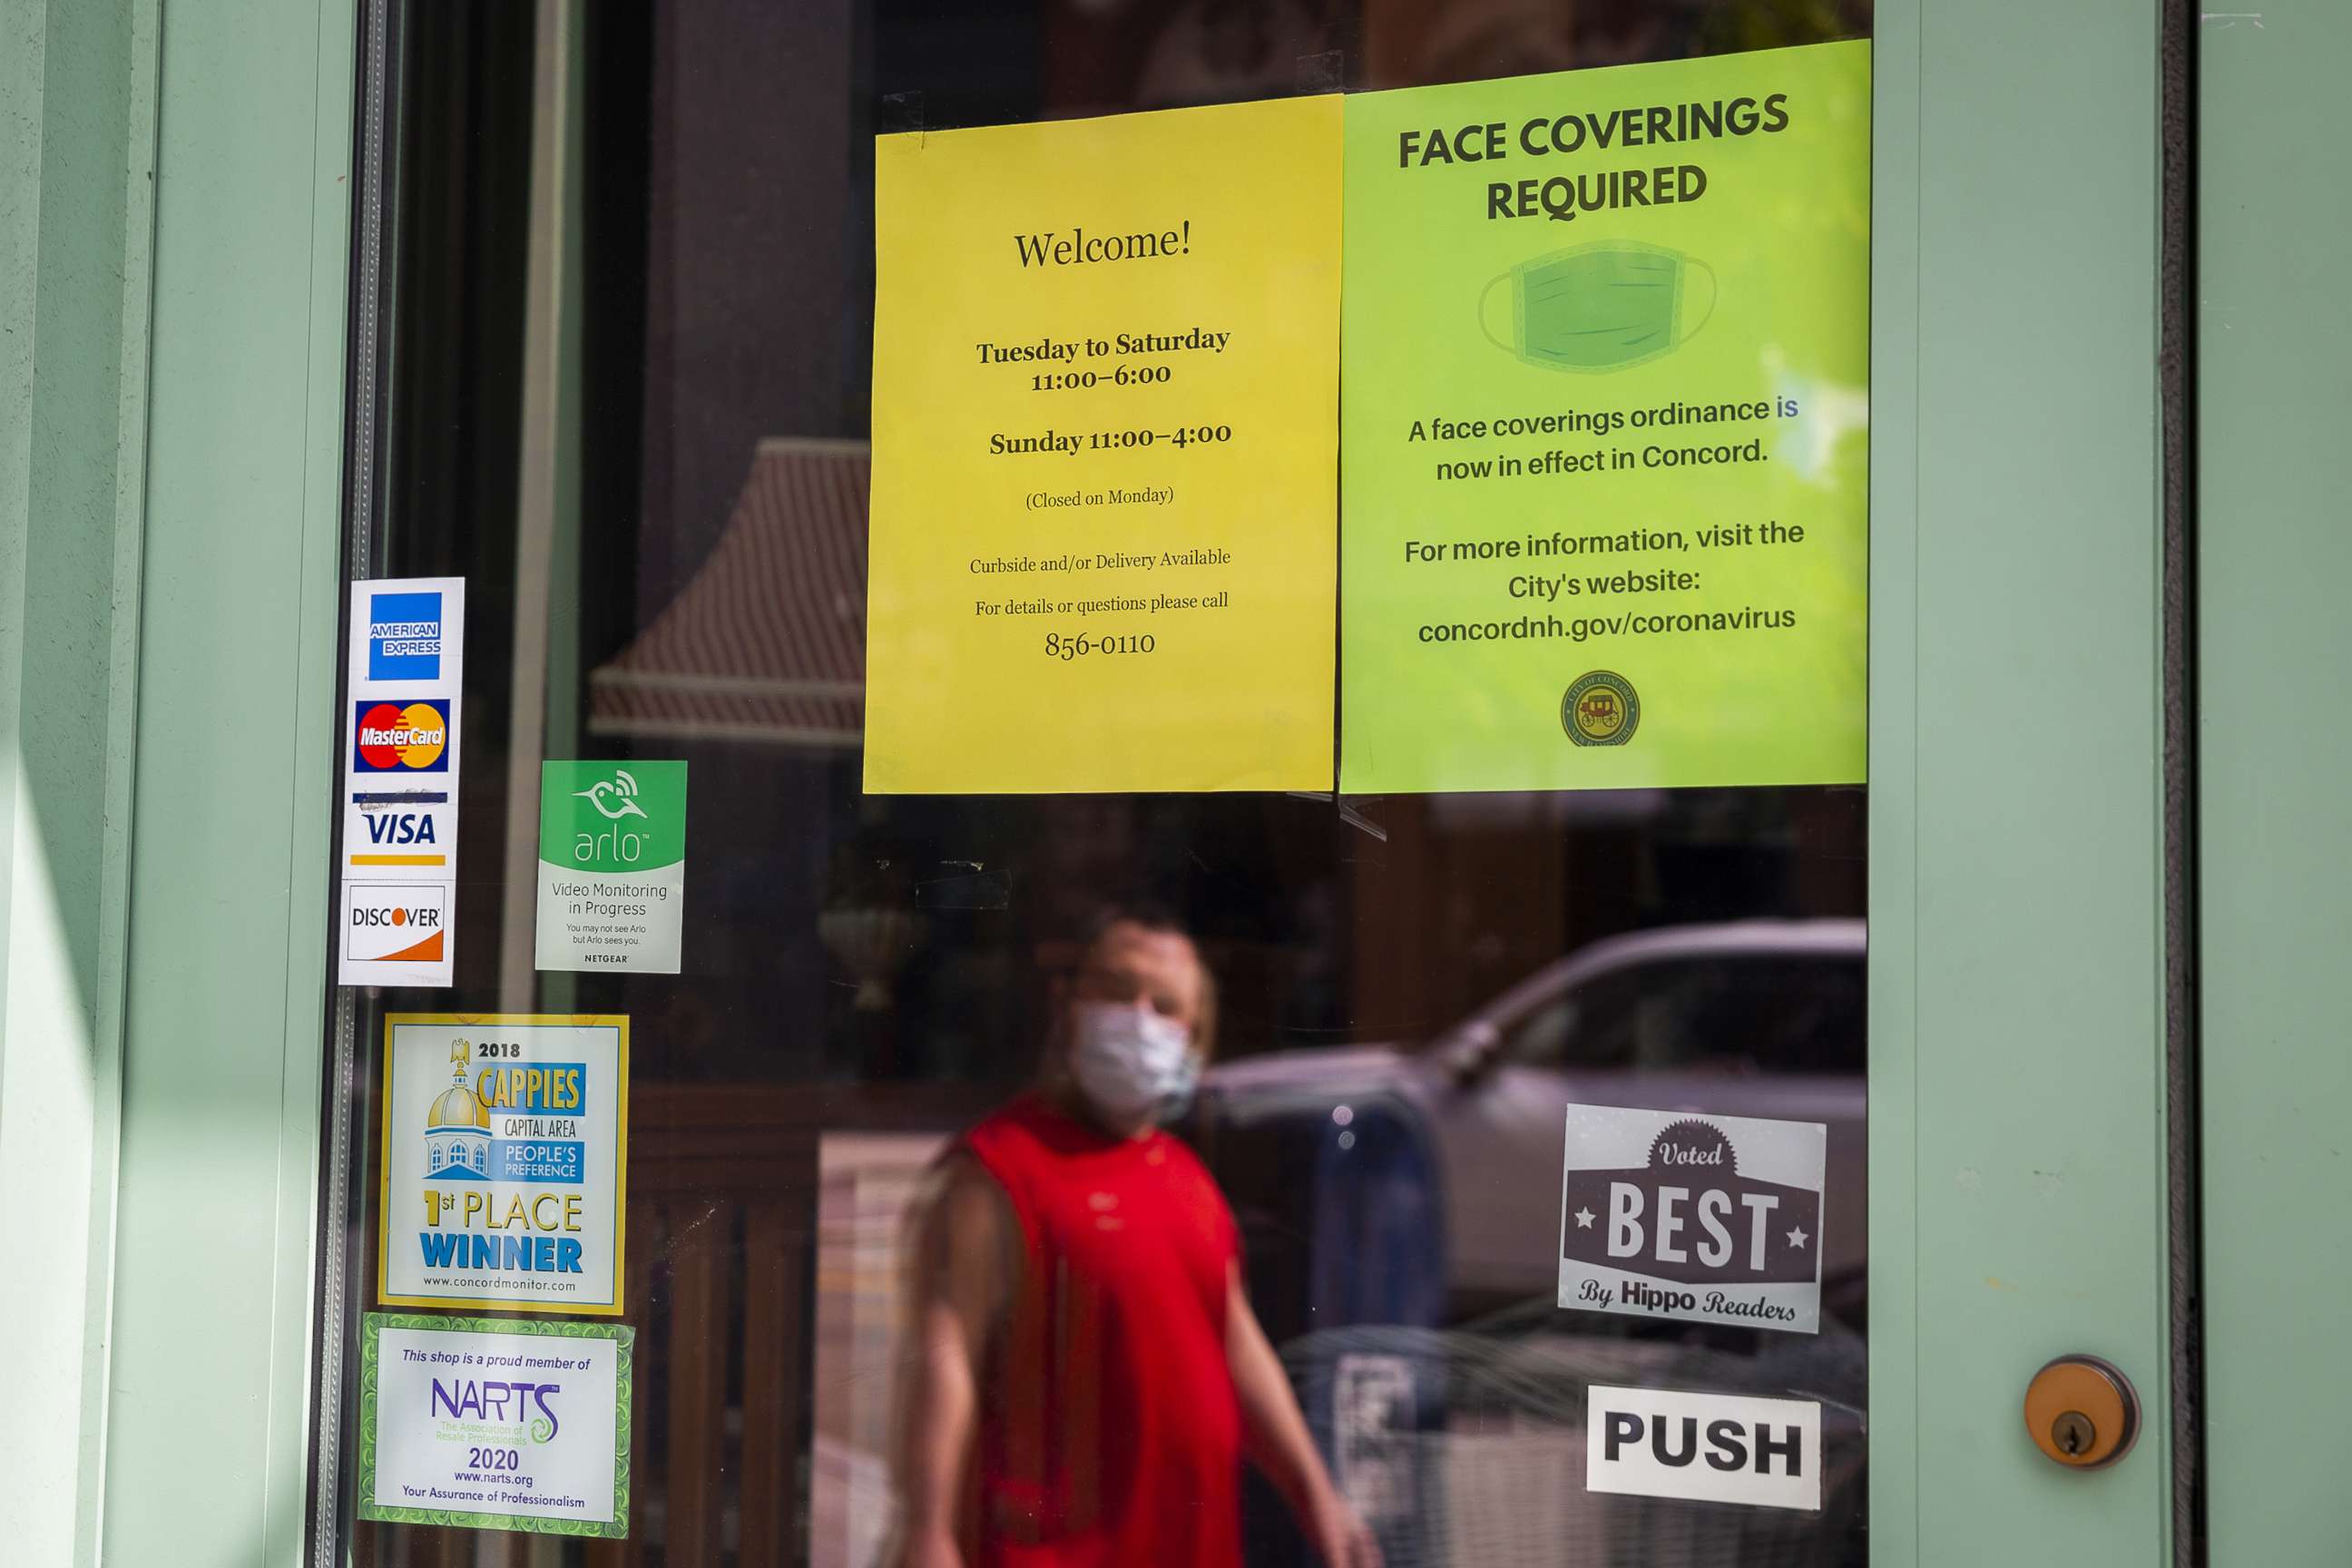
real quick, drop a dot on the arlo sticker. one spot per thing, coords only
(612, 866)
(1706, 1218)
(1709, 1448)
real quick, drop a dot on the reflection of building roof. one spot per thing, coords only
(457, 1107)
(768, 641)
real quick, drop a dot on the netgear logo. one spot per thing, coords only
(405, 637)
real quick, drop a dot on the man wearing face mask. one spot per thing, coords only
(1086, 1373)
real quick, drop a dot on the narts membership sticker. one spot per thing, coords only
(1710, 1220)
(495, 1424)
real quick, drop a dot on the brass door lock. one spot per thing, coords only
(2082, 1412)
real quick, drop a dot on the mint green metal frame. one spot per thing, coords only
(2018, 1186)
(2275, 836)
(77, 198)
(225, 765)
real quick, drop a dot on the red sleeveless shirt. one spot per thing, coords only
(1109, 1430)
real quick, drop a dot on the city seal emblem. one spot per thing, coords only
(1600, 709)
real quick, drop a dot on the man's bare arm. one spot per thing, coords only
(1280, 1443)
(965, 1258)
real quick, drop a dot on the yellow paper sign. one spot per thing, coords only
(1106, 416)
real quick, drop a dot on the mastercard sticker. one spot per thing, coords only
(401, 736)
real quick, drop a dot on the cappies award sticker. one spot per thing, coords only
(1710, 1220)
(505, 1144)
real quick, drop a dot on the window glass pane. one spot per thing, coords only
(628, 397)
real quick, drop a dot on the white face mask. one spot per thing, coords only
(1132, 1064)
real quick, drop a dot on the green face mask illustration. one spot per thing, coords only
(1600, 307)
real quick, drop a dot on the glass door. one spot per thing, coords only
(805, 1112)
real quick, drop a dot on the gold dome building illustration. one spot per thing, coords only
(458, 1126)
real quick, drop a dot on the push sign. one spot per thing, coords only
(1712, 1219)
(1715, 1448)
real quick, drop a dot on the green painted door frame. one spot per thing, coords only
(2274, 555)
(2018, 1177)
(173, 244)
(76, 146)
(210, 1394)
(172, 979)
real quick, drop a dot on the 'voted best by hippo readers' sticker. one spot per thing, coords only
(505, 1163)
(1711, 1219)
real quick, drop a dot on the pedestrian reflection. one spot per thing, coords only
(1085, 1373)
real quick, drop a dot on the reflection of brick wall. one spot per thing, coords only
(1103, 59)
(752, 253)
(1471, 894)
(1408, 42)
(723, 1193)
(873, 1183)
(1446, 919)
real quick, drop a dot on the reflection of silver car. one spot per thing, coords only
(1760, 1018)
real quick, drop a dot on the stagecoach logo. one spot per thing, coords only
(1709, 1219)
(1600, 709)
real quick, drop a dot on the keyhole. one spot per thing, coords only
(2072, 1432)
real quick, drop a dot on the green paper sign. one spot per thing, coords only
(1604, 427)
(495, 1423)
(612, 866)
